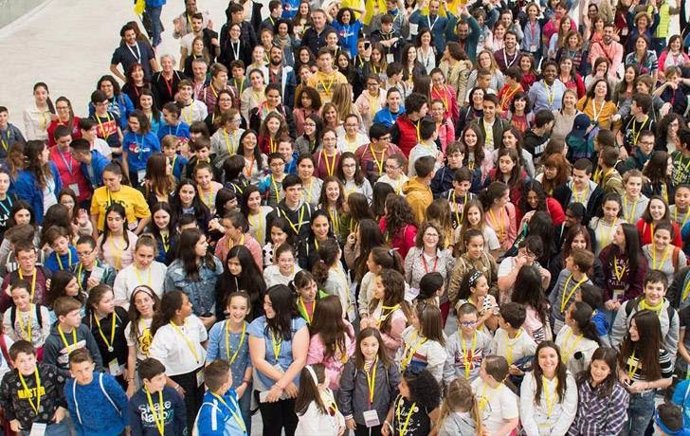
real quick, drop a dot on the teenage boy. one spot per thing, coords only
(97, 405)
(156, 409)
(417, 190)
(459, 195)
(443, 179)
(270, 185)
(394, 80)
(287, 149)
(172, 124)
(512, 341)
(681, 159)
(490, 125)
(9, 133)
(69, 334)
(467, 347)
(426, 146)
(191, 108)
(653, 298)
(220, 412)
(202, 153)
(638, 122)
(293, 208)
(275, 11)
(108, 123)
(326, 76)
(89, 131)
(91, 162)
(30, 270)
(90, 271)
(405, 129)
(31, 395)
(641, 154)
(390, 38)
(537, 137)
(611, 180)
(569, 280)
(581, 189)
(236, 228)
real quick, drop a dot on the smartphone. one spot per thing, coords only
(97, 273)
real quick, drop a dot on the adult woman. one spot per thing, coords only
(575, 50)
(565, 117)
(146, 104)
(136, 83)
(623, 92)
(597, 105)
(673, 55)
(40, 182)
(116, 243)
(254, 162)
(253, 96)
(195, 272)
(667, 132)
(643, 57)
(165, 82)
(311, 185)
(570, 77)
(411, 66)
(600, 70)
(278, 343)
(370, 101)
(352, 176)
(528, 69)
(310, 140)
(429, 254)
(234, 48)
(456, 67)
(548, 92)
(223, 104)
(240, 274)
(178, 338)
(38, 117)
(645, 366)
(256, 213)
(494, 41)
(136, 208)
(328, 157)
(534, 198)
(159, 184)
(446, 94)
(65, 117)
(500, 213)
(486, 61)
(398, 225)
(473, 111)
(307, 102)
(426, 52)
(332, 200)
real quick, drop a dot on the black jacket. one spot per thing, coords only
(563, 194)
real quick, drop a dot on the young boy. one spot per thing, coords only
(220, 412)
(90, 271)
(459, 195)
(97, 405)
(443, 179)
(287, 149)
(426, 146)
(67, 335)
(64, 255)
(668, 419)
(169, 146)
(156, 409)
(31, 395)
(29, 269)
(234, 178)
(569, 280)
(172, 124)
(202, 153)
(511, 340)
(91, 162)
(417, 189)
(191, 109)
(467, 347)
(653, 298)
(271, 185)
(9, 133)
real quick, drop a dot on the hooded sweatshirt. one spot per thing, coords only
(419, 196)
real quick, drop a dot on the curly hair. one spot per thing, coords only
(399, 215)
(424, 389)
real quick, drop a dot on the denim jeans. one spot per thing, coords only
(245, 405)
(155, 14)
(61, 429)
(640, 412)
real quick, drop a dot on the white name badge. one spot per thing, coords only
(414, 29)
(114, 368)
(390, 58)
(141, 174)
(200, 377)
(533, 48)
(371, 418)
(74, 187)
(38, 429)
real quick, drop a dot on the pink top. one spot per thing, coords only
(613, 52)
(334, 364)
(222, 249)
(504, 224)
(393, 339)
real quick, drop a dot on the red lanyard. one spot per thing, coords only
(426, 267)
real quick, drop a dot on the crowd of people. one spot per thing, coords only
(284, 217)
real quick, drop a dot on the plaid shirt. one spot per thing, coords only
(600, 416)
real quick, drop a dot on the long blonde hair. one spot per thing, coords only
(459, 397)
(342, 100)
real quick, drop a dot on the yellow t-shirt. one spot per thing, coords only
(133, 201)
(324, 83)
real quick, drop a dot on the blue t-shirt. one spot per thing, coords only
(139, 148)
(181, 130)
(258, 329)
(217, 349)
(681, 397)
(64, 262)
(216, 418)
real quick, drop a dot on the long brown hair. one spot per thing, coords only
(459, 397)
(309, 389)
(561, 373)
(646, 348)
(394, 285)
(328, 322)
(381, 355)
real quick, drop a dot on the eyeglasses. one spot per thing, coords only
(431, 235)
(84, 253)
(467, 323)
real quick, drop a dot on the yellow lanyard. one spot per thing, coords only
(236, 416)
(616, 271)
(568, 351)
(398, 412)
(675, 216)
(158, 414)
(459, 209)
(629, 217)
(165, 239)
(330, 169)
(663, 257)
(112, 332)
(298, 227)
(276, 345)
(509, 347)
(27, 391)
(327, 89)
(300, 303)
(64, 339)
(549, 397)
(410, 351)
(139, 280)
(272, 146)
(686, 290)
(188, 341)
(33, 281)
(634, 365)
(100, 125)
(549, 93)
(335, 220)
(379, 163)
(466, 358)
(28, 324)
(482, 400)
(228, 144)
(566, 299)
(371, 381)
(582, 199)
(258, 225)
(227, 341)
(276, 188)
(145, 341)
(69, 260)
(419, 134)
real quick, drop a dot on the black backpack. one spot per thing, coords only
(13, 315)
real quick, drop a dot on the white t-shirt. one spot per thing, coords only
(102, 147)
(143, 342)
(129, 278)
(173, 346)
(496, 405)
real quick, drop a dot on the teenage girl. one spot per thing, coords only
(368, 384)
(285, 268)
(315, 404)
(279, 233)
(474, 257)
(663, 256)
(256, 213)
(380, 258)
(143, 271)
(163, 230)
(423, 342)
(331, 277)
(416, 408)
(500, 213)
(656, 212)
(604, 227)
(473, 218)
(116, 244)
(144, 303)
(474, 289)
(634, 202)
(578, 339)
(498, 405)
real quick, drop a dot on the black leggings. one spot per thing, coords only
(193, 395)
(278, 415)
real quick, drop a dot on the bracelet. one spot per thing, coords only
(246, 381)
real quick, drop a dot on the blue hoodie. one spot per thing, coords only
(220, 418)
(91, 408)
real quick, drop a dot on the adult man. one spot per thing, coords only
(209, 36)
(236, 15)
(132, 52)
(581, 189)
(281, 75)
(508, 55)
(405, 132)
(315, 36)
(609, 49)
(432, 21)
(326, 77)
(465, 31)
(275, 8)
(68, 168)
(491, 126)
(219, 82)
(372, 157)
(183, 22)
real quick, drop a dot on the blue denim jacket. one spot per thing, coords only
(201, 292)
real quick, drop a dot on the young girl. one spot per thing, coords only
(657, 212)
(416, 408)
(548, 395)
(379, 258)
(398, 225)
(604, 227)
(285, 268)
(315, 404)
(177, 343)
(634, 202)
(498, 405)
(144, 303)
(332, 339)
(602, 400)
(474, 289)
(476, 257)
(473, 218)
(163, 230)
(460, 413)
(389, 310)
(331, 277)
(645, 366)
(279, 233)
(509, 171)
(143, 271)
(107, 323)
(186, 201)
(25, 320)
(423, 342)
(308, 295)
(228, 340)
(256, 213)
(663, 256)
(206, 186)
(500, 213)
(578, 338)
(117, 243)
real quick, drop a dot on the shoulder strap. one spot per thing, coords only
(676, 254)
(629, 306)
(100, 382)
(39, 316)
(13, 314)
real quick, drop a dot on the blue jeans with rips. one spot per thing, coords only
(640, 412)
